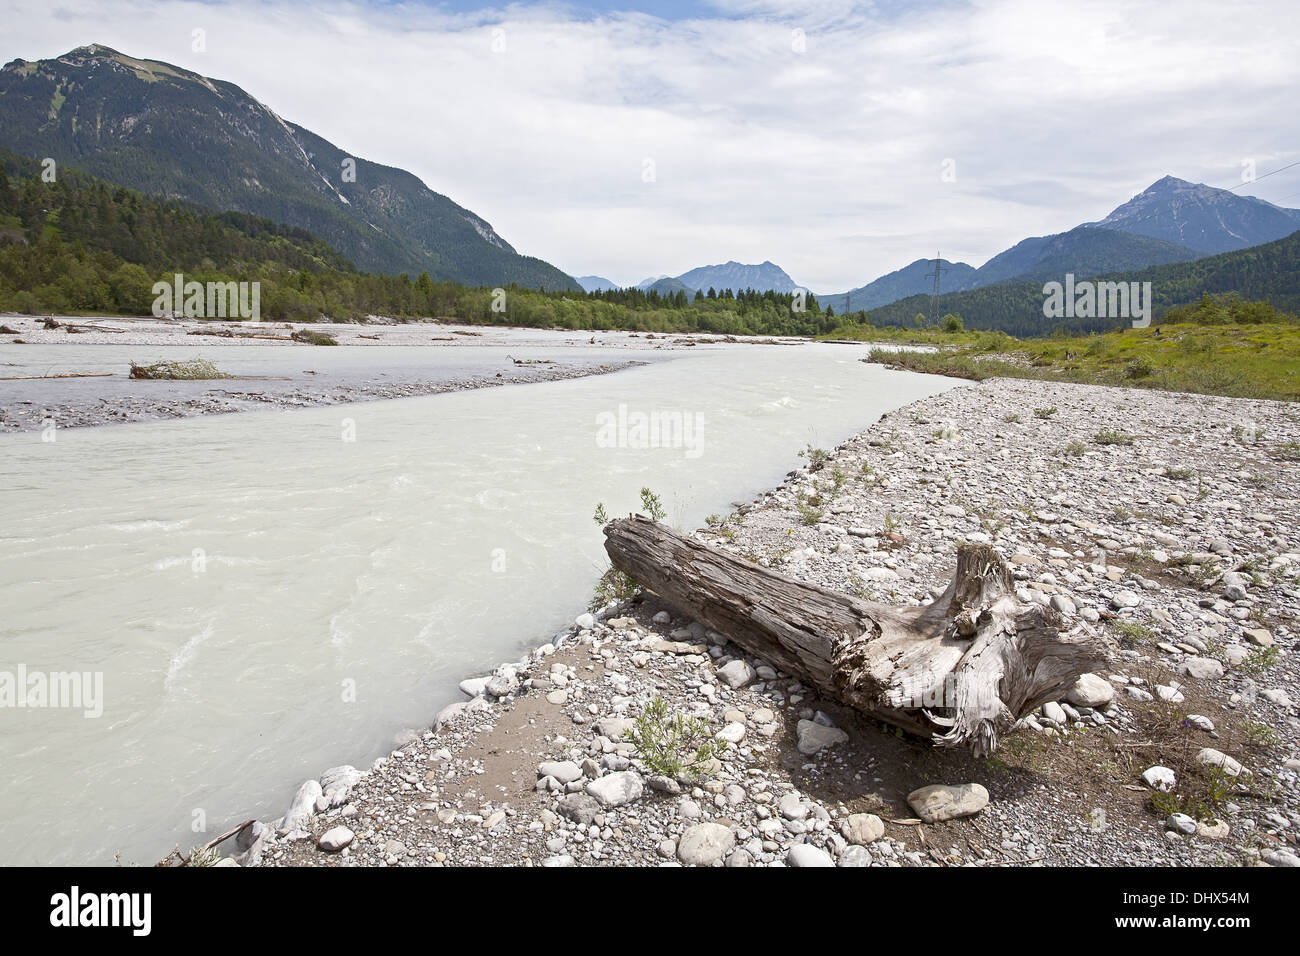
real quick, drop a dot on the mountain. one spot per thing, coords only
(167, 131)
(669, 286)
(1268, 272)
(596, 284)
(766, 276)
(1201, 217)
(916, 278)
(1083, 251)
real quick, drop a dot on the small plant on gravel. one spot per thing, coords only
(1044, 412)
(837, 480)
(1011, 419)
(1260, 735)
(816, 457)
(808, 513)
(1259, 662)
(672, 745)
(1287, 451)
(1076, 449)
(1203, 794)
(1178, 474)
(613, 586)
(713, 521)
(1131, 633)
(1108, 437)
(891, 523)
(1251, 434)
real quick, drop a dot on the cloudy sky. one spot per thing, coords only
(840, 140)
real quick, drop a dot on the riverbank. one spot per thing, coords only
(81, 388)
(1167, 521)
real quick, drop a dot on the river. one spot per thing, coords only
(268, 594)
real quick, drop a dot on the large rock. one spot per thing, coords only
(814, 737)
(303, 806)
(805, 854)
(1090, 691)
(940, 801)
(617, 789)
(736, 674)
(705, 844)
(862, 828)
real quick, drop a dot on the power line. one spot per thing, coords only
(1265, 176)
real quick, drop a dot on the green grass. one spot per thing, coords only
(1242, 361)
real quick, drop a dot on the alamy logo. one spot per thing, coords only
(1098, 300)
(74, 908)
(656, 429)
(58, 689)
(212, 300)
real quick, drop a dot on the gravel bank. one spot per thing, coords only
(1169, 522)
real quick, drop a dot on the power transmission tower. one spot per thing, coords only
(934, 298)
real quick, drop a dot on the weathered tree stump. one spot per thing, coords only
(961, 670)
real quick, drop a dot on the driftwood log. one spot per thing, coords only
(960, 670)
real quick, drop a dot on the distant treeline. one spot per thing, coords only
(79, 244)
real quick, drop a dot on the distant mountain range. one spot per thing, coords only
(763, 277)
(167, 131)
(1170, 221)
(1269, 272)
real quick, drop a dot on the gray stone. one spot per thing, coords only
(855, 856)
(705, 844)
(333, 840)
(939, 802)
(1210, 757)
(579, 807)
(565, 771)
(1202, 668)
(862, 828)
(814, 737)
(1090, 691)
(736, 674)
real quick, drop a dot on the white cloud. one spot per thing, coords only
(826, 161)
